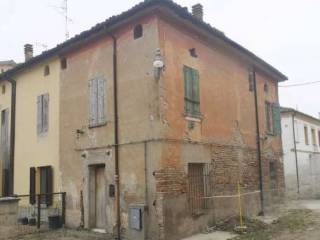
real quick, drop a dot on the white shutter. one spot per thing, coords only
(93, 105)
(45, 116)
(39, 114)
(101, 100)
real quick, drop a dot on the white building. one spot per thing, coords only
(301, 149)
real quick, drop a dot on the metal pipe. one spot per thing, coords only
(258, 140)
(116, 134)
(295, 152)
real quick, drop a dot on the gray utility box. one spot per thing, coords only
(137, 215)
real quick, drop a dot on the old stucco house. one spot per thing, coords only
(141, 120)
(301, 153)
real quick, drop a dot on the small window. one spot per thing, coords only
(273, 170)
(319, 137)
(306, 135)
(46, 70)
(266, 88)
(138, 31)
(63, 63)
(193, 52)
(3, 89)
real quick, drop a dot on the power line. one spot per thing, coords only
(300, 84)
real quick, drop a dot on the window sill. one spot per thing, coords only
(42, 134)
(193, 118)
(271, 134)
(98, 125)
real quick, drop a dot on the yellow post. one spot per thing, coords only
(240, 206)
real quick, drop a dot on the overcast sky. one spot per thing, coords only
(284, 33)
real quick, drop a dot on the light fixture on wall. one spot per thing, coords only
(158, 64)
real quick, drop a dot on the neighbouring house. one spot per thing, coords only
(301, 149)
(142, 119)
(6, 65)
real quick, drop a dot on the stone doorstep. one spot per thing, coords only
(218, 235)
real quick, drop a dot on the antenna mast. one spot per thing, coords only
(65, 8)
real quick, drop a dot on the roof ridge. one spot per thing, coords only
(178, 9)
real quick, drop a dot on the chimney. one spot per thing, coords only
(197, 11)
(28, 52)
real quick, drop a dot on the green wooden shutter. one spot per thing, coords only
(276, 118)
(32, 190)
(188, 89)
(195, 92)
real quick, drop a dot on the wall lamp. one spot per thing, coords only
(158, 64)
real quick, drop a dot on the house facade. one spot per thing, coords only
(146, 117)
(6, 65)
(301, 148)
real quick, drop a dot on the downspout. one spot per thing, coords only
(258, 141)
(12, 131)
(116, 134)
(295, 151)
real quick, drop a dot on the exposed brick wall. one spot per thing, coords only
(171, 180)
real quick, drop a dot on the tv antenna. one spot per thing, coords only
(63, 10)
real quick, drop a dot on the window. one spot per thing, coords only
(319, 137)
(3, 89)
(63, 63)
(97, 92)
(43, 113)
(196, 186)
(4, 130)
(297, 131)
(269, 119)
(266, 88)
(46, 70)
(44, 186)
(4, 146)
(191, 92)
(314, 138)
(306, 135)
(137, 31)
(193, 52)
(273, 119)
(273, 170)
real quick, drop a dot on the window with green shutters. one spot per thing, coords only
(273, 119)
(276, 119)
(191, 91)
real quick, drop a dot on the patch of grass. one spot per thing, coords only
(293, 221)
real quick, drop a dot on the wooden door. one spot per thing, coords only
(100, 198)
